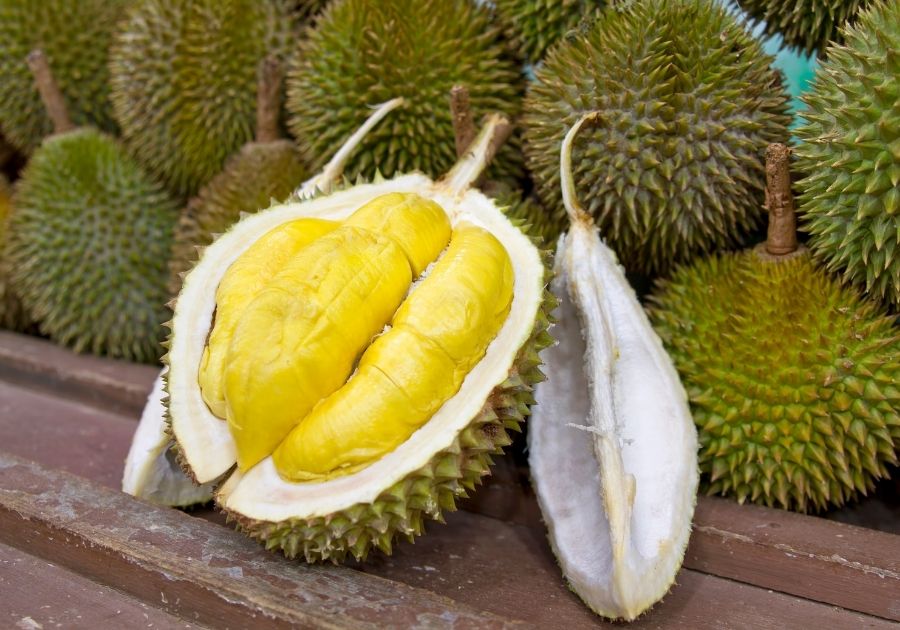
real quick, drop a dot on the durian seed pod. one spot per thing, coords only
(184, 81)
(75, 36)
(89, 239)
(12, 313)
(809, 25)
(535, 25)
(269, 168)
(849, 156)
(792, 376)
(363, 51)
(612, 447)
(686, 97)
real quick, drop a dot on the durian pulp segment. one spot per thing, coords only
(244, 280)
(437, 335)
(298, 339)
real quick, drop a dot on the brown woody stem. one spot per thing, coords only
(782, 236)
(50, 93)
(268, 99)
(463, 124)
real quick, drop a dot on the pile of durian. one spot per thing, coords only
(366, 240)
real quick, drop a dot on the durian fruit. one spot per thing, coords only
(369, 463)
(535, 25)
(809, 25)
(75, 36)
(791, 375)
(89, 240)
(849, 154)
(184, 81)
(265, 169)
(612, 447)
(685, 97)
(368, 51)
(12, 314)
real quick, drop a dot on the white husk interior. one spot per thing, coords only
(260, 493)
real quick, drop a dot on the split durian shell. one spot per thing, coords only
(612, 447)
(427, 473)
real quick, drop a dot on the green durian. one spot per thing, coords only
(365, 52)
(75, 37)
(809, 25)
(685, 97)
(184, 81)
(12, 314)
(792, 376)
(849, 152)
(535, 25)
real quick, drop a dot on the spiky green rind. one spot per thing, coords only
(88, 247)
(184, 77)
(686, 104)
(535, 25)
(257, 174)
(792, 378)
(401, 510)
(12, 314)
(809, 25)
(75, 37)
(527, 212)
(850, 154)
(365, 52)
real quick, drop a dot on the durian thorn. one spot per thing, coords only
(469, 168)
(463, 124)
(782, 235)
(51, 95)
(268, 90)
(335, 167)
(577, 214)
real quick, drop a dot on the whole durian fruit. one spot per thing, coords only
(75, 36)
(792, 376)
(267, 168)
(535, 25)
(89, 241)
(850, 155)
(363, 52)
(671, 167)
(809, 25)
(184, 81)
(12, 315)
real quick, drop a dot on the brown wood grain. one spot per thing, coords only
(199, 570)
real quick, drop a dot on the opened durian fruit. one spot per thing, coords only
(343, 367)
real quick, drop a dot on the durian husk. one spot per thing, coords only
(809, 25)
(12, 314)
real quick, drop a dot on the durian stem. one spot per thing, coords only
(577, 214)
(782, 236)
(463, 124)
(479, 154)
(335, 168)
(268, 91)
(51, 95)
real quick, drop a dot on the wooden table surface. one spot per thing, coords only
(77, 553)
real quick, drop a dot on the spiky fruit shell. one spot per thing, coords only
(850, 155)
(75, 36)
(12, 314)
(686, 101)
(809, 25)
(792, 378)
(184, 76)
(401, 507)
(531, 216)
(88, 247)
(365, 52)
(257, 174)
(535, 25)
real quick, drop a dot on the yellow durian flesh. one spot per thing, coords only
(298, 339)
(244, 280)
(439, 333)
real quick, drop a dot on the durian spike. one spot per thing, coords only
(577, 214)
(335, 167)
(51, 95)
(268, 91)
(479, 154)
(463, 124)
(782, 235)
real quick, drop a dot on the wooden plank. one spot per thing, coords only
(40, 594)
(199, 570)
